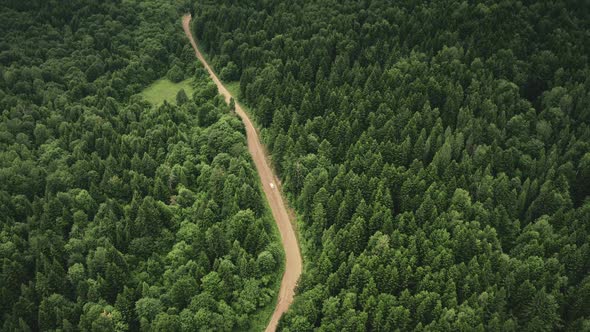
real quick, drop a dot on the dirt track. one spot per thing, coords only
(273, 195)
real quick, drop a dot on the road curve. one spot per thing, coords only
(272, 190)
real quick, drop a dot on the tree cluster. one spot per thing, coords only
(116, 215)
(438, 154)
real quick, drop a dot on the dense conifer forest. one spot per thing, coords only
(437, 153)
(115, 214)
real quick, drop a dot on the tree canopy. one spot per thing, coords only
(437, 153)
(116, 214)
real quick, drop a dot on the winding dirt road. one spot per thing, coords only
(272, 190)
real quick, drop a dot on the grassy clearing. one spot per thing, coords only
(164, 89)
(233, 88)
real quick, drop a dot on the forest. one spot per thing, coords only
(437, 155)
(115, 214)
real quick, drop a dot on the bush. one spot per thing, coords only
(231, 72)
(181, 97)
(175, 74)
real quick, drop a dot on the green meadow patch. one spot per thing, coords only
(164, 89)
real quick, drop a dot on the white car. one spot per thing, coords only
(272, 185)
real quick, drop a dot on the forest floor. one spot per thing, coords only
(272, 189)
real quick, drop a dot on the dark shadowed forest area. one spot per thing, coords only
(438, 154)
